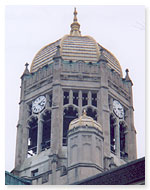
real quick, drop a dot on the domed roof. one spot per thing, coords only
(84, 120)
(75, 47)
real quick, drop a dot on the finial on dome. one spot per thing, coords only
(75, 15)
(75, 26)
(84, 112)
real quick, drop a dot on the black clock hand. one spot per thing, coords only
(41, 103)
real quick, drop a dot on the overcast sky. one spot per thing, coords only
(120, 29)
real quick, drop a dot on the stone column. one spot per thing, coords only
(131, 136)
(111, 104)
(117, 138)
(54, 173)
(18, 146)
(57, 107)
(57, 119)
(104, 108)
(25, 142)
(19, 137)
(89, 98)
(23, 115)
(99, 110)
(70, 97)
(126, 139)
(80, 103)
(22, 131)
(40, 134)
(47, 101)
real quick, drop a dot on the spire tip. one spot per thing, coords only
(75, 26)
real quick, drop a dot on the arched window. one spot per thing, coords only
(32, 140)
(70, 113)
(92, 113)
(112, 133)
(66, 97)
(46, 136)
(84, 98)
(94, 99)
(75, 98)
(122, 128)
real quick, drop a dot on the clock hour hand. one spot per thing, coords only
(41, 103)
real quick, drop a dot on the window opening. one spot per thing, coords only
(30, 109)
(75, 98)
(66, 98)
(123, 154)
(34, 173)
(112, 134)
(46, 136)
(94, 99)
(32, 140)
(84, 99)
(91, 113)
(50, 100)
(69, 114)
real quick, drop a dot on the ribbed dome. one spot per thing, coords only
(75, 47)
(83, 48)
(84, 120)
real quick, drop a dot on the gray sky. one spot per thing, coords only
(120, 29)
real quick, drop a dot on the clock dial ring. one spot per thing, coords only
(38, 104)
(118, 109)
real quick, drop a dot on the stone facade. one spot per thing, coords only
(44, 142)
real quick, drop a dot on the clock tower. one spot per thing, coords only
(76, 112)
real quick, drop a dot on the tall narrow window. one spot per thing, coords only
(91, 113)
(75, 98)
(122, 140)
(66, 97)
(46, 141)
(84, 99)
(32, 140)
(30, 109)
(94, 99)
(50, 100)
(69, 115)
(112, 134)
(34, 173)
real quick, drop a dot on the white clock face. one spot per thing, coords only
(38, 104)
(118, 109)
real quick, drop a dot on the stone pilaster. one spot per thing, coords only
(131, 135)
(54, 166)
(89, 98)
(25, 142)
(57, 107)
(22, 134)
(117, 138)
(80, 103)
(40, 134)
(104, 108)
(47, 101)
(70, 97)
(18, 155)
(111, 104)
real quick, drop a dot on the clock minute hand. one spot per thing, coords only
(41, 103)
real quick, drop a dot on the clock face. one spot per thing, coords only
(118, 109)
(38, 104)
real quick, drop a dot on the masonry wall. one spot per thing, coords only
(55, 79)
